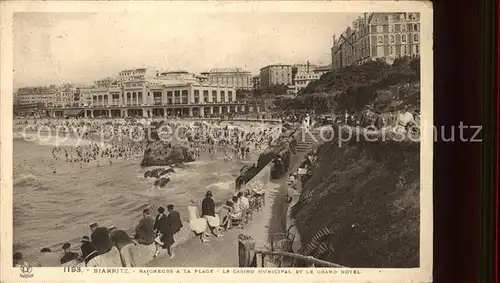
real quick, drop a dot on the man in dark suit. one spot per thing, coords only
(174, 219)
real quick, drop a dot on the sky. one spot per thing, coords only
(54, 48)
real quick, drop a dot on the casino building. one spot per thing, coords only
(146, 92)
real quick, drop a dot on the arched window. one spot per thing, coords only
(392, 38)
(403, 38)
(380, 40)
(415, 37)
(415, 27)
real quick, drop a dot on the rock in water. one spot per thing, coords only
(158, 153)
(170, 170)
(162, 182)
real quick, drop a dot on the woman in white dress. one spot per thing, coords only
(198, 225)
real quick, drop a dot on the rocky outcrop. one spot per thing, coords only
(162, 182)
(158, 153)
(158, 172)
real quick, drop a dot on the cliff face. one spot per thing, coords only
(158, 153)
(368, 193)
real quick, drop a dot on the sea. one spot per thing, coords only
(50, 208)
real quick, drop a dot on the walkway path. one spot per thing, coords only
(223, 252)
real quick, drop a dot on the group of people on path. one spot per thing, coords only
(111, 247)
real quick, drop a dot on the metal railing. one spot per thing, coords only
(309, 260)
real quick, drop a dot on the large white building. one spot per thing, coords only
(158, 98)
(235, 77)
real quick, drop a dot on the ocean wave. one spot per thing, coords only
(225, 186)
(26, 180)
(42, 188)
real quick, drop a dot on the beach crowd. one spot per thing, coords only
(104, 141)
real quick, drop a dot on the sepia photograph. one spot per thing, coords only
(218, 139)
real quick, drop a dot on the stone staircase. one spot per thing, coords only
(306, 140)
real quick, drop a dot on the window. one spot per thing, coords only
(402, 17)
(415, 27)
(416, 49)
(196, 96)
(205, 96)
(214, 96)
(230, 94)
(177, 96)
(392, 38)
(415, 37)
(403, 27)
(380, 51)
(392, 28)
(403, 38)
(380, 28)
(380, 40)
(184, 96)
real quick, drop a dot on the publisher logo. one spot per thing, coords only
(26, 270)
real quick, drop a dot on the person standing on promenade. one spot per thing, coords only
(197, 225)
(107, 254)
(144, 231)
(47, 259)
(174, 220)
(164, 238)
(68, 254)
(208, 213)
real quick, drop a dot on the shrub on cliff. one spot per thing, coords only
(368, 194)
(353, 86)
(158, 153)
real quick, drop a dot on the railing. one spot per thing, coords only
(309, 260)
(248, 256)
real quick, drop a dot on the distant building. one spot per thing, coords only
(82, 95)
(377, 35)
(303, 74)
(178, 76)
(64, 95)
(46, 96)
(256, 82)
(137, 74)
(321, 70)
(235, 77)
(276, 75)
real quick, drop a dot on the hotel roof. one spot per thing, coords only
(227, 70)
